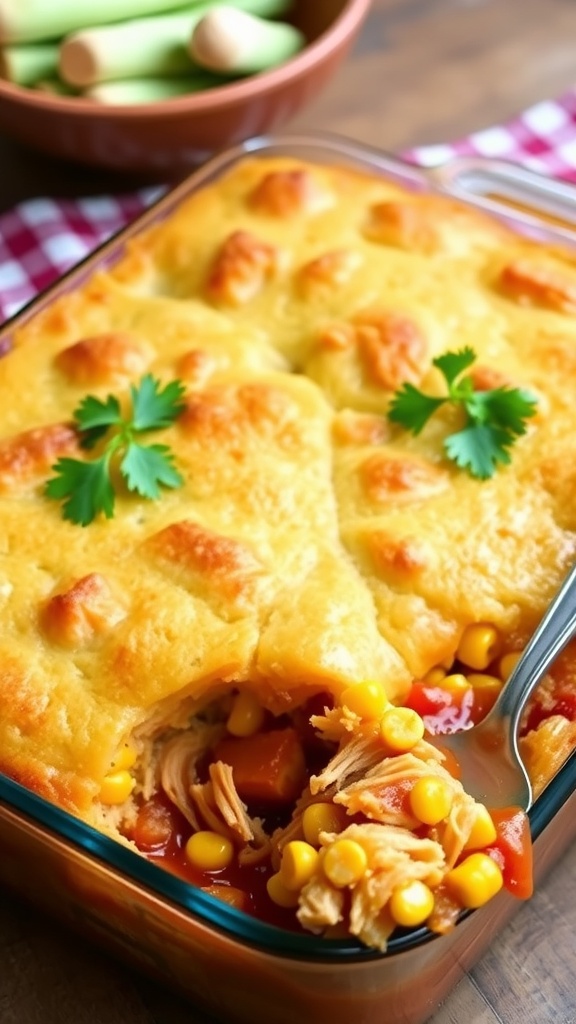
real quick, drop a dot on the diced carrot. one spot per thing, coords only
(268, 767)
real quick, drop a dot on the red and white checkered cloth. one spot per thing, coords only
(42, 238)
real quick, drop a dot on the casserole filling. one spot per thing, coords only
(343, 818)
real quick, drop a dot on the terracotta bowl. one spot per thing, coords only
(171, 135)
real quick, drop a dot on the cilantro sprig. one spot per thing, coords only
(86, 487)
(494, 419)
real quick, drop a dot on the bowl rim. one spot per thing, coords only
(221, 96)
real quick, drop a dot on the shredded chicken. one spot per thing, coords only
(394, 855)
(321, 905)
(364, 782)
(236, 816)
(178, 759)
(228, 802)
(336, 722)
(358, 755)
(380, 794)
(202, 796)
(217, 805)
(458, 827)
(374, 929)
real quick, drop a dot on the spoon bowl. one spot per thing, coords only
(491, 767)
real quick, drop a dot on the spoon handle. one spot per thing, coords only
(554, 632)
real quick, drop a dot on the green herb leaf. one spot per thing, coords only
(411, 408)
(154, 407)
(86, 487)
(452, 364)
(95, 417)
(145, 467)
(479, 448)
(509, 408)
(494, 419)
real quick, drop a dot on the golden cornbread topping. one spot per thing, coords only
(314, 548)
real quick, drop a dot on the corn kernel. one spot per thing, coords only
(435, 676)
(401, 729)
(322, 817)
(116, 787)
(507, 664)
(485, 682)
(298, 864)
(279, 894)
(124, 759)
(366, 699)
(209, 851)
(456, 684)
(431, 799)
(246, 715)
(479, 644)
(483, 831)
(411, 903)
(475, 881)
(344, 863)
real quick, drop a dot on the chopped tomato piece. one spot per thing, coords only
(513, 850)
(443, 710)
(426, 699)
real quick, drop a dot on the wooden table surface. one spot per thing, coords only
(422, 71)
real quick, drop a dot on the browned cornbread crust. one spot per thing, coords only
(313, 544)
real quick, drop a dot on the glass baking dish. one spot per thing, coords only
(183, 936)
(496, 186)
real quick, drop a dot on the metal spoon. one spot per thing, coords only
(491, 768)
